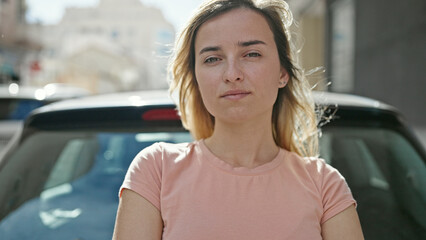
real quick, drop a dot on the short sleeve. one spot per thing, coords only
(144, 174)
(335, 192)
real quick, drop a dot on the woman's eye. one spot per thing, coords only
(211, 60)
(253, 54)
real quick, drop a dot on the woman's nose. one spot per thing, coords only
(233, 72)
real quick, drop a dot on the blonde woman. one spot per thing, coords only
(251, 173)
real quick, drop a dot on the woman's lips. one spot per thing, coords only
(235, 94)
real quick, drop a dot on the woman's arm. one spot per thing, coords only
(344, 225)
(137, 218)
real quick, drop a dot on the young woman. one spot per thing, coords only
(252, 171)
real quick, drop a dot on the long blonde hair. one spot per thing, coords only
(294, 121)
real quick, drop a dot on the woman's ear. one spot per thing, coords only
(284, 77)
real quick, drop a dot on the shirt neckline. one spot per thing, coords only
(219, 163)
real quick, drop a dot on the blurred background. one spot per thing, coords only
(370, 48)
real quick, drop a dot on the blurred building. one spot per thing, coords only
(14, 44)
(377, 49)
(370, 48)
(115, 46)
(308, 35)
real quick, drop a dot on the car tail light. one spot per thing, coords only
(161, 114)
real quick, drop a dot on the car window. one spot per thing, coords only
(73, 161)
(17, 109)
(69, 182)
(386, 175)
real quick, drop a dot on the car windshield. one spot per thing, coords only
(68, 182)
(387, 177)
(17, 109)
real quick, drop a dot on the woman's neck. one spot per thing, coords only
(243, 144)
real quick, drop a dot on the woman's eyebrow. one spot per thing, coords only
(250, 43)
(209, 49)
(241, 44)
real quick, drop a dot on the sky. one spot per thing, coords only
(51, 11)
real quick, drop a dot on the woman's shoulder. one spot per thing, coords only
(314, 165)
(305, 161)
(161, 151)
(166, 147)
(321, 173)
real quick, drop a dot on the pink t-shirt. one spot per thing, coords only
(202, 197)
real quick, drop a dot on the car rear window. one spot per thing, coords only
(64, 185)
(386, 175)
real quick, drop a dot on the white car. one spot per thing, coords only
(60, 178)
(16, 102)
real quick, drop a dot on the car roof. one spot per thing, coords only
(349, 100)
(149, 110)
(50, 92)
(112, 100)
(142, 109)
(16, 91)
(162, 97)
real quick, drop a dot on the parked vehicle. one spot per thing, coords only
(60, 178)
(16, 102)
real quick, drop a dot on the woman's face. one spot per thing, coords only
(237, 66)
